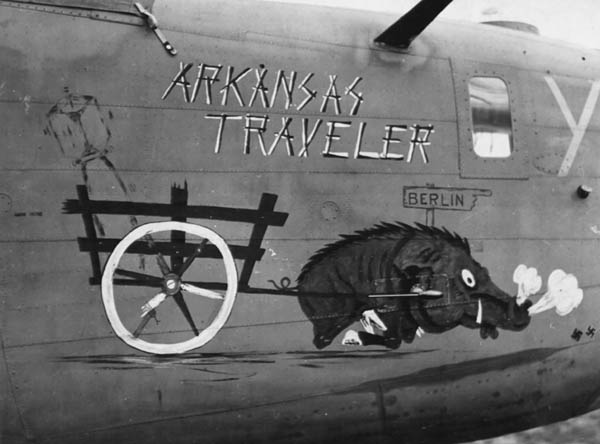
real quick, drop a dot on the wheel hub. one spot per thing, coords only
(171, 284)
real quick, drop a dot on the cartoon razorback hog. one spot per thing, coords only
(449, 288)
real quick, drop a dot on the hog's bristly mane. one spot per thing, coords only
(389, 231)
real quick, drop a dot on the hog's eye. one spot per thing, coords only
(468, 278)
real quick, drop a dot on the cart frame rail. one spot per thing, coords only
(178, 210)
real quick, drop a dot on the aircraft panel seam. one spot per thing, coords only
(13, 394)
(242, 111)
(453, 75)
(199, 414)
(317, 239)
(92, 14)
(227, 327)
(248, 172)
(520, 69)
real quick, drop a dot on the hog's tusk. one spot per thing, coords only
(479, 312)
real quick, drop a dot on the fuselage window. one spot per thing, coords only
(490, 113)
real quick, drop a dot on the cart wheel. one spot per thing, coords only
(170, 285)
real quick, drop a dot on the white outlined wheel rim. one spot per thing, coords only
(205, 335)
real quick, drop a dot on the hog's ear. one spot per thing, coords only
(421, 256)
(414, 273)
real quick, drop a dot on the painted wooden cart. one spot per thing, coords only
(187, 242)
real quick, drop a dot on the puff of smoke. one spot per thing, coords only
(528, 282)
(563, 294)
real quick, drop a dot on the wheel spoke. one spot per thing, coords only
(186, 311)
(153, 303)
(136, 275)
(201, 291)
(162, 264)
(171, 259)
(190, 259)
(178, 242)
(138, 331)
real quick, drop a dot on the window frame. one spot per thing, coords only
(472, 165)
(507, 136)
